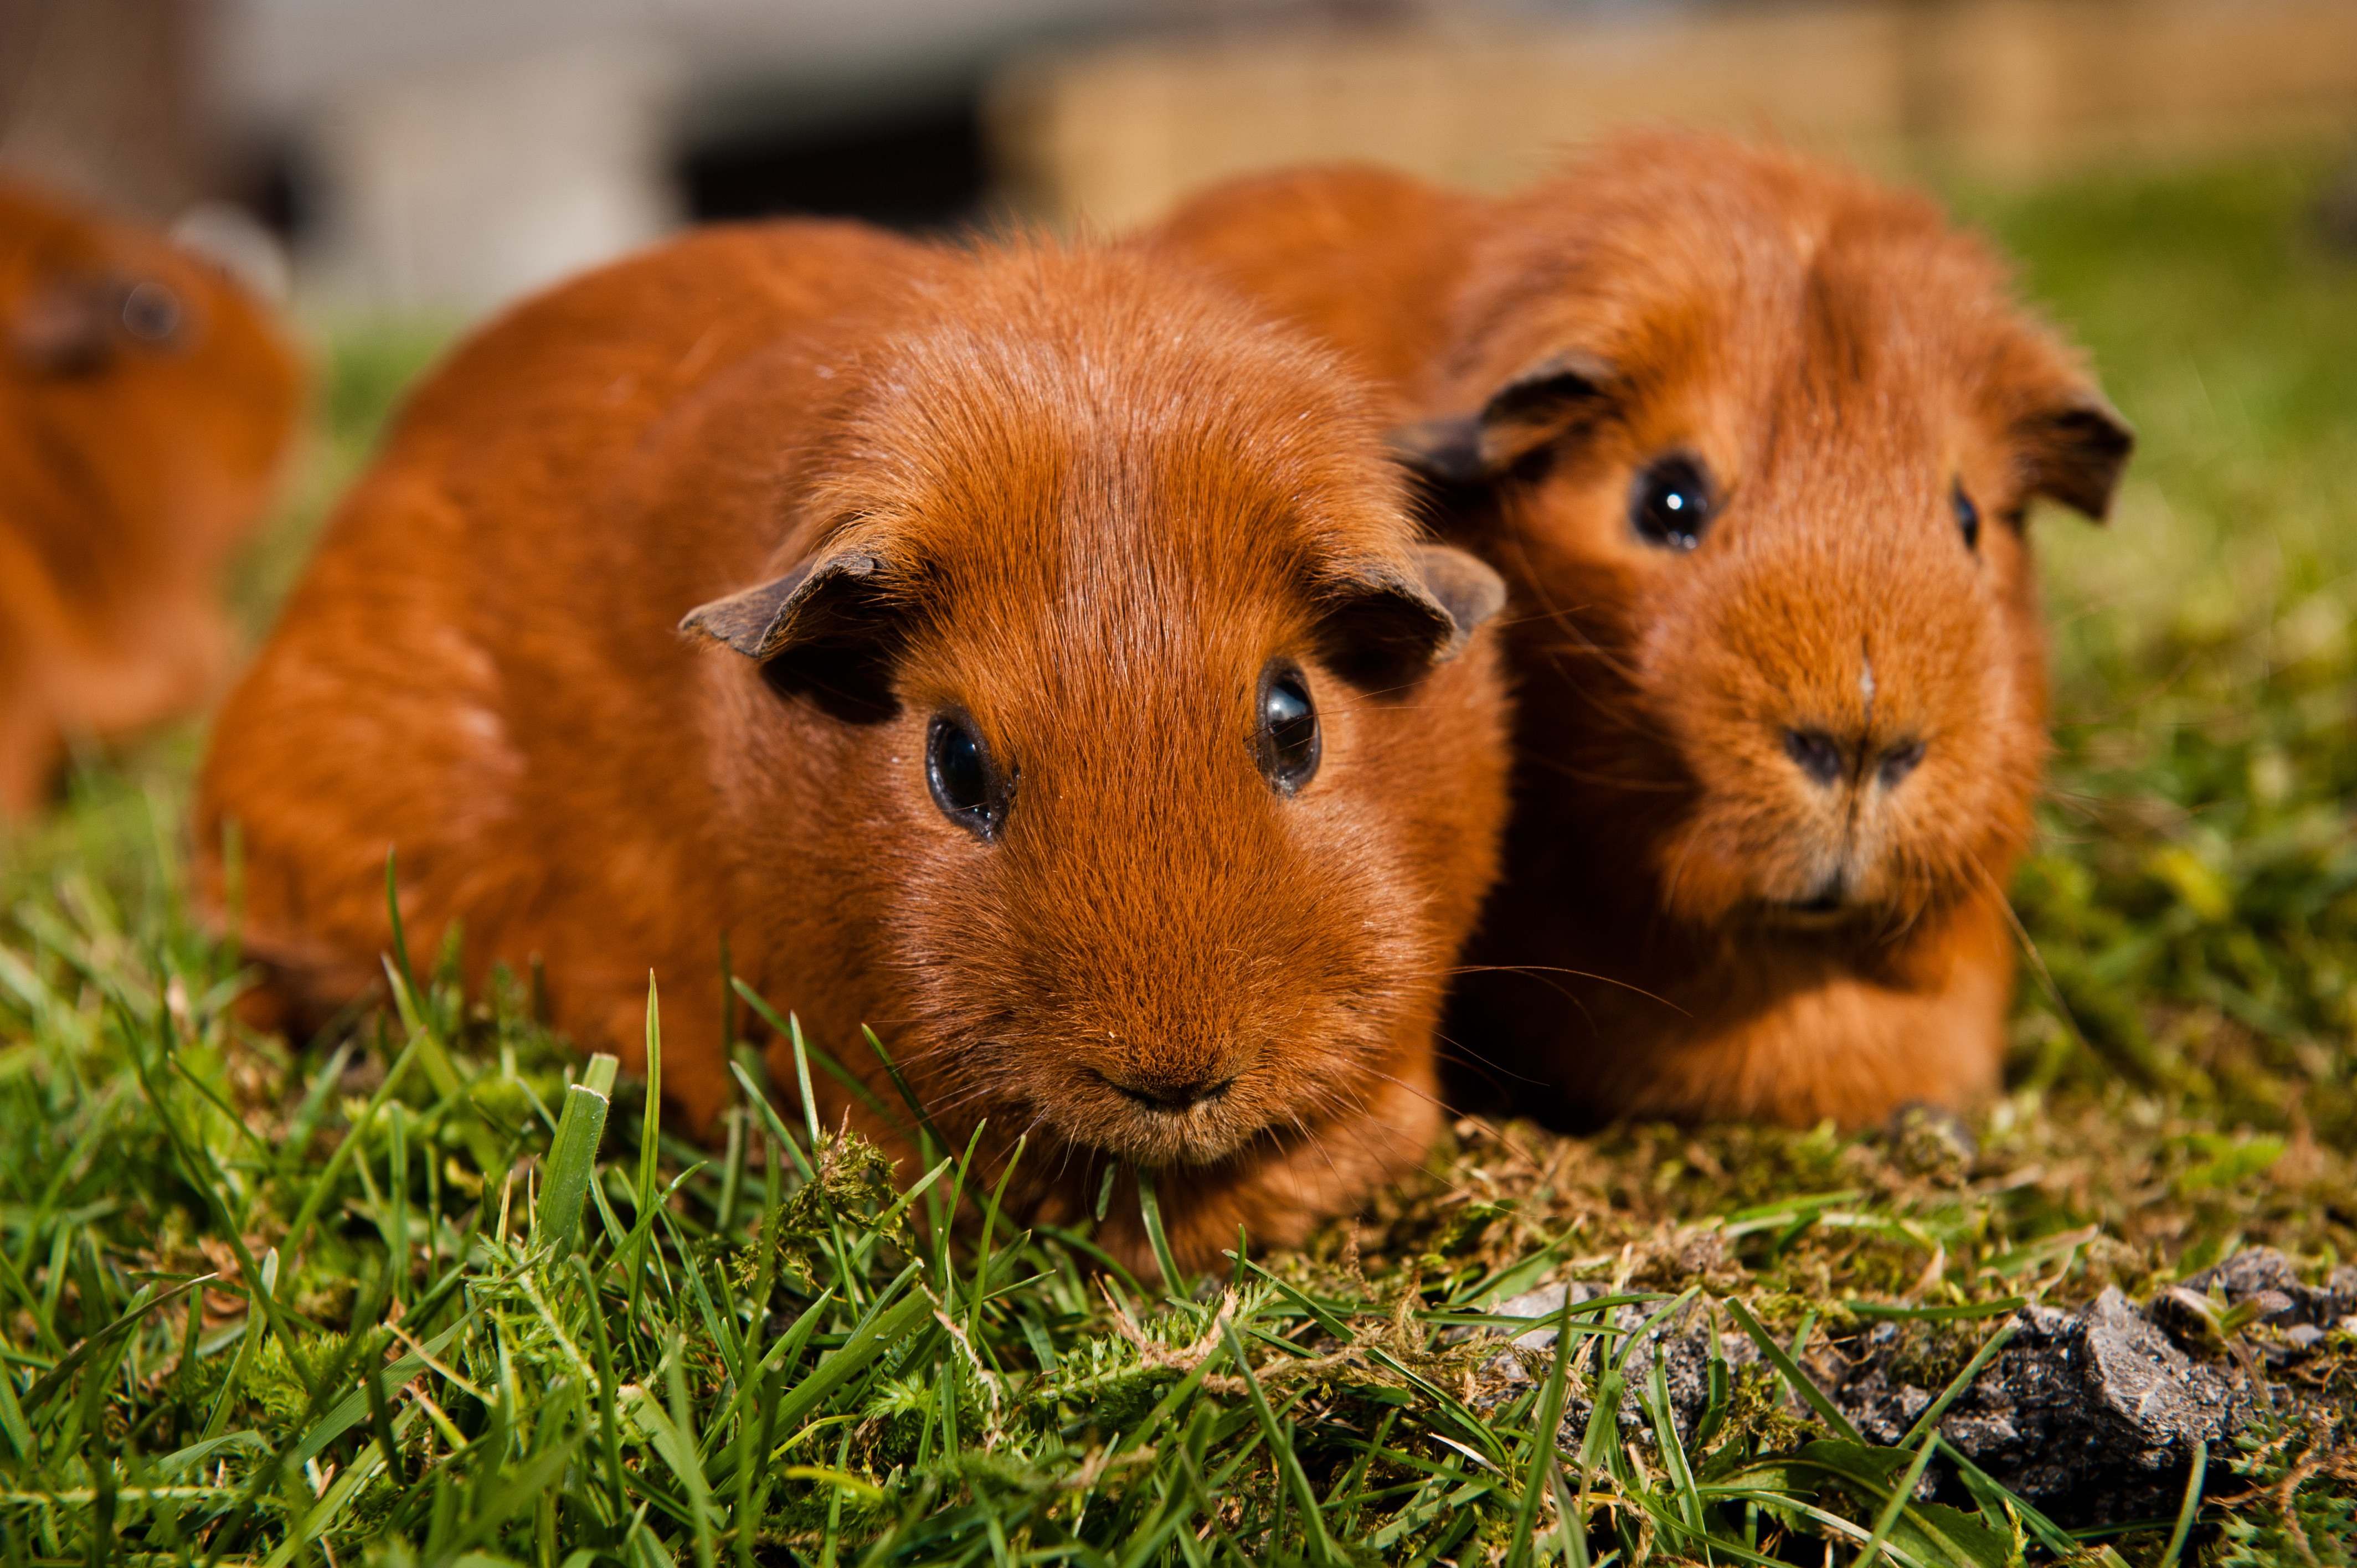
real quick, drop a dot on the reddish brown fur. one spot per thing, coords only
(1836, 356)
(1075, 498)
(130, 466)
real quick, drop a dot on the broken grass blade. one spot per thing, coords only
(573, 1158)
(1104, 1189)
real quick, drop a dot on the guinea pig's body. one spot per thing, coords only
(145, 403)
(1751, 440)
(1064, 696)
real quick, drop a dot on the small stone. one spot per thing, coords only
(1544, 1301)
(2248, 1273)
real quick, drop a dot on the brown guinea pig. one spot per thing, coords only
(1062, 691)
(145, 403)
(1753, 440)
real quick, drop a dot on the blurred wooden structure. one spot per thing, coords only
(1993, 88)
(105, 98)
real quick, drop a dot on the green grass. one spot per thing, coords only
(437, 1292)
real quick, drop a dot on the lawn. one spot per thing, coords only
(435, 1290)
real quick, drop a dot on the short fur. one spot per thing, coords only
(1074, 498)
(145, 404)
(1692, 924)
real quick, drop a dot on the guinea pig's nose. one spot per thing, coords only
(1897, 761)
(1827, 760)
(1820, 756)
(1173, 1098)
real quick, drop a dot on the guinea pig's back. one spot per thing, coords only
(479, 621)
(1366, 259)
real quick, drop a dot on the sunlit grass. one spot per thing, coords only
(440, 1291)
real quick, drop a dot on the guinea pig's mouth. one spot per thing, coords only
(1830, 907)
(1160, 1123)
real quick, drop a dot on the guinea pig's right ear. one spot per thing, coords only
(1531, 409)
(1385, 627)
(2073, 449)
(62, 329)
(815, 602)
(818, 632)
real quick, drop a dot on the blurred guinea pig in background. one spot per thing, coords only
(1753, 440)
(146, 401)
(1063, 691)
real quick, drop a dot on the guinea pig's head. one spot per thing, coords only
(1762, 437)
(144, 382)
(1155, 762)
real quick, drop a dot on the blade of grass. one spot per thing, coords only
(1320, 1545)
(2189, 1508)
(573, 1156)
(1544, 1433)
(1149, 1210)
(1801, 1382)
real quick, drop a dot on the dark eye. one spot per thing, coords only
(966, 786)
(1968, 516)
(151, 313)
(1288, 728)
(1670, 503)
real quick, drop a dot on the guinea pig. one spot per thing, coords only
(145, 403)
(1753, 440)
(1028, 653)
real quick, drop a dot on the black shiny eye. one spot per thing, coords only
(1670, 503)
(1288, 728)
(151, 313)
(1968, 516)
(966, 786)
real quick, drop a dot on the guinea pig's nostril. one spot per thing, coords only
(1814, 750)
(1897, 762)
(1174, 1099)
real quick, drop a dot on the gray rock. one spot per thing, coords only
(2265, 1276)
(1544, 1301)
(2092, 1415)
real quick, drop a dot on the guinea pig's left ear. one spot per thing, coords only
(1385, 627)
(2072, 450)
(1531, 409)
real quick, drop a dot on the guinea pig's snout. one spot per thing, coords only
(1171, 1099)
(1829, 761)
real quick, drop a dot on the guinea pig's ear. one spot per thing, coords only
(2073, 449)
(62, 329)
(1533, 408)
(1385, 627)
(815, 602)
(819, 632)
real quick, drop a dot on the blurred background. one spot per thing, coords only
(443, 155)
(2178, 178)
